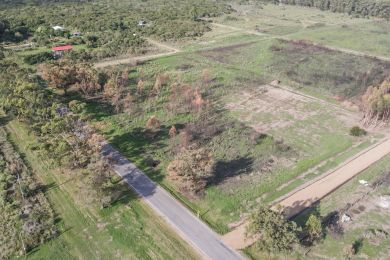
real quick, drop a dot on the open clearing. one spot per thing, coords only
(297, 133)
(334, 29)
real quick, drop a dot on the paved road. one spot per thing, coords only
(194, 231)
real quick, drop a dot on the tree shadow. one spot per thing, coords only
(125, 196)
(304, 215)
(293, 211)
(332, 224)
(228, 169)
(129, 172)
(139, 145)
(4, 120)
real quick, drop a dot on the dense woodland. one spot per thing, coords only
(359, 8)
(108, 27)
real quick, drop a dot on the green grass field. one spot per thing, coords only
(128, 229)
(334, 29)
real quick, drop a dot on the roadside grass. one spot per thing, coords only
(127, 229)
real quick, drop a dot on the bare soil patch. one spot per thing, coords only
(280, 108)
(221, 54)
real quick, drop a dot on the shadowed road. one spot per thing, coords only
(194, 231)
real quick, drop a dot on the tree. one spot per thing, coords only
(140, 87)
(99, 180)
(376, 103)
(4, 26)
(313, 228)
(172, 131)
(274, 232)
(192, 169)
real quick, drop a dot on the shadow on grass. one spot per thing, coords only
(229, 169)
(4, 120)
(139, 144)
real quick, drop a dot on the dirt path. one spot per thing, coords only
(285, 37)
(306, 195)
(134, 60)
(309, 193)
(163, 45)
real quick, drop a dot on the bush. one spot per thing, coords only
(357, 131)
(38, 57)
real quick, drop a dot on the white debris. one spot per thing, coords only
(363, 182)
(345, 218)
(384, 202)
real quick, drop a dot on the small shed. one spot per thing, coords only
(58, 50)
(58, 28)
(141, 23)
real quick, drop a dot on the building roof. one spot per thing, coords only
(62, 48)
(58, 28)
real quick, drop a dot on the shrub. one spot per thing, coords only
(38, 57)
(357, 131)
(153, 123)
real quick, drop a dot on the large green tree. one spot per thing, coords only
(274, 233)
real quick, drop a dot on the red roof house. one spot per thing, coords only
(62, 48)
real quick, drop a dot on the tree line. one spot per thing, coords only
(359, 8)
(60, 127)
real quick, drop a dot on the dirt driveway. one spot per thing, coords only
(310, 192)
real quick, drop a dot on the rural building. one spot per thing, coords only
(141, 23)
(58, 50)
(58, 28)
